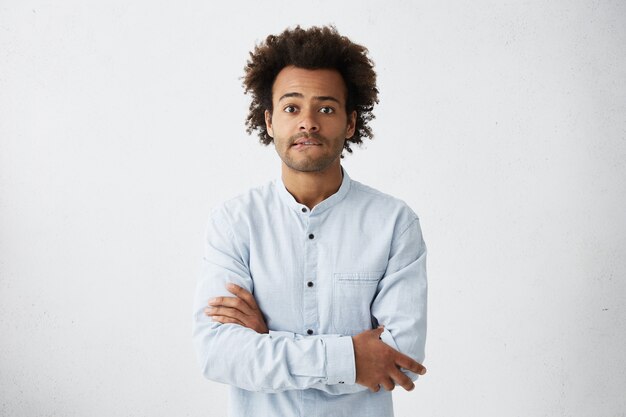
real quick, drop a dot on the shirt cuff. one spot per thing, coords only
(386, 337)
(340, 366)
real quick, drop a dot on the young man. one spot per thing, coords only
(312, 300)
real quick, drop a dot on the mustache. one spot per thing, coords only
(306, 135)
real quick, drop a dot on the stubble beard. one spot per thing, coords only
(309, 163)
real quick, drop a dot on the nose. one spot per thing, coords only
(308, 122)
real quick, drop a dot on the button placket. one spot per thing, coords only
(311, 323)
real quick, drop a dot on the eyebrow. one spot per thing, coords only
(318, 98)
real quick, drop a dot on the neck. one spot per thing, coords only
(311, 188)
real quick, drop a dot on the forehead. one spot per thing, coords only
(309, 83)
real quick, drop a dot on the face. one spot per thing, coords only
(309, 123)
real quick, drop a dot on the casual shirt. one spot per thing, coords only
(355, 261)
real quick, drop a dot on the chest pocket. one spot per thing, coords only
(353, 294)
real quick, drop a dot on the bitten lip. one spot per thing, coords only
(309, 141)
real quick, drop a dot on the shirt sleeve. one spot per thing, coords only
(241, 357)
(400, 302)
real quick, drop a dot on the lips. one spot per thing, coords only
(303, 146)
(306, 142)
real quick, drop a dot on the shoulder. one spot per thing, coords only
(245, 204)
(381, 202)
(390, 215)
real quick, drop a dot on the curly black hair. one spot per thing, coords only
(313, 48)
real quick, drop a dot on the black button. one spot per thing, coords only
(309, 284)
(304, 209)
(309, 332)
(341, 382)
(311, 236)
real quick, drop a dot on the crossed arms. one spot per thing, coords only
(235, 346)
(376, 363)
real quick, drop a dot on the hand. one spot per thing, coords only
(241, 309)
(379, 364)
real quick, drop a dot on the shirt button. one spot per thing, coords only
(341, 382)
(304, 209)
(309, 284)
(311, 236)
(309, 332)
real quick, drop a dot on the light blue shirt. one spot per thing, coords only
(355, 261)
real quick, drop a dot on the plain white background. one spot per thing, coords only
(501, 123)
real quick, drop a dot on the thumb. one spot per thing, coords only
(379, 330)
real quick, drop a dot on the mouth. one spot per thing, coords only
(305, 143)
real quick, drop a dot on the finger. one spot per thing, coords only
(227, 312)
(225, 320)
(374, 388)
(232, 302)
(242, 293)
(388, 384)
(214, 311)
(407, 363)
(402, 380)
(378, 331)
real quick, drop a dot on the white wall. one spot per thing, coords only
(501, 123)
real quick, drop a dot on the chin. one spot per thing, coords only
(309, 166)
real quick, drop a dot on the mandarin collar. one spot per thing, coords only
(330, 201)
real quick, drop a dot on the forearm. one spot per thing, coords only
(278, 361)
(273, 362)
(336, 361)
(401, 303)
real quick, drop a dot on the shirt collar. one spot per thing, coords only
(288, 199)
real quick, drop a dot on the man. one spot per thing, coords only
(312, 301)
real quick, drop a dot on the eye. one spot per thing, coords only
(290, 109)
(327, 110)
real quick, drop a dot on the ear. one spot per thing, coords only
(351, 125)
(268, 123)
